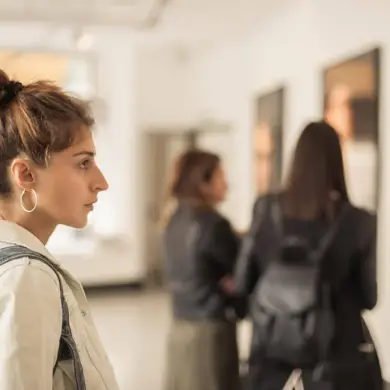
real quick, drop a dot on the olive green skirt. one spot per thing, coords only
(202, 356)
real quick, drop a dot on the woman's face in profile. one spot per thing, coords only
(70, 185)
(217, 188)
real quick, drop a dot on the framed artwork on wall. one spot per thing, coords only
(268, 141)
(351, 106)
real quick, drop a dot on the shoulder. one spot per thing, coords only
(30, 302)
(357, 228)
(360, 217)
(363, 215)
(363, 220)
(30, 278)
(212, 219)
(214, 228)
(264, 201)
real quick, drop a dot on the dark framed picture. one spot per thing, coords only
(268, 141)
(351, 106)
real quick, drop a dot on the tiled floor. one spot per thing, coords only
(133, 326)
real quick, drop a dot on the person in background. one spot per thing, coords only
(200, 251)
(312, 200)
(48, 177)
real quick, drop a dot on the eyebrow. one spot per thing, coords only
(85, 152)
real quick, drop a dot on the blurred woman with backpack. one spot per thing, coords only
(200, 251)
(312, 214)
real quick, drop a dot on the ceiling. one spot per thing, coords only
(151, 20)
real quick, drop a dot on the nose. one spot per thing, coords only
(101, 182)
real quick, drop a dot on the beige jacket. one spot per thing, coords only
(30, 324)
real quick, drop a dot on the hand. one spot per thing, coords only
(227, 284)
(240, 233)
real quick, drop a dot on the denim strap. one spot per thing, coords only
(67, 347)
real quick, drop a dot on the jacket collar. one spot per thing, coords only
(12, 233)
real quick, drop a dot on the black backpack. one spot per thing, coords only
(291, 305)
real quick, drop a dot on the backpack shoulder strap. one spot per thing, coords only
(330, 234)
(261, 209)
(67, 348)
(265, 206)
(326, 291)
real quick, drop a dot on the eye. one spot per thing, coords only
(85, 164)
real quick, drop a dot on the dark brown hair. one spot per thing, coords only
(37, 120)
(192, 169)
(316, 181)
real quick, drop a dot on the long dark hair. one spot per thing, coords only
(316, 182)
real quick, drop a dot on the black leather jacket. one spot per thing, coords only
(200, 249)
(352, 258)
(350, 268)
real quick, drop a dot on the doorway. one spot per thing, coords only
(160, 149)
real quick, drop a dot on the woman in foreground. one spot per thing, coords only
(48, 177)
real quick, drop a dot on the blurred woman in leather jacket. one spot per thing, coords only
(200, 250)
(312, 198)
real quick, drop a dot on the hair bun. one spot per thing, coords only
(8, 89)
(14, 87)
(4, 79)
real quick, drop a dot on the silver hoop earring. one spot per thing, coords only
(22, 202)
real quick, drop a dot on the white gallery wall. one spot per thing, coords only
(171, 89)
(117, 215)
(221, 85)
(142, 89)
(165, 97)
(292, 49)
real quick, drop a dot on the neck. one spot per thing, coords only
(40, 230)
(39, 225)
(198, 202)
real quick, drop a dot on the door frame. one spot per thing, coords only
(192, 133)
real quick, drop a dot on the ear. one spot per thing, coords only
(205, 189)
(22, 173)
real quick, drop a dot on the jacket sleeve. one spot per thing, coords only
(366, 270)
(246, 271)
(30, 326)
(223, 246)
